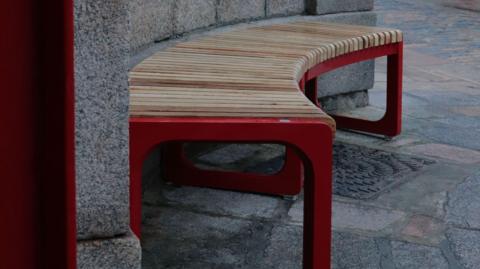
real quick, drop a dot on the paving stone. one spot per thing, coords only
(468, 70)
(175, 238)
(401, 141)
(441, 29)
(464, 4)
(456, 154)
(285, 247)
(413, 256)
(150, 20)
(337, 6)
(465, 245)
(463, 208)
(425, 228)
(426, 193)
(269, 167)
(101, 117)
(356, 138)
(222, 202)
(231, 153)
(285, 7)
(437, 104)
(415, 58)
(472, 111)
(356, 217)
(445, 133)
(354, 252)
(112, 253)
(151, 171)
(348, 250)
(237, 10)
(256, 158)
(348, 216)
(295, 213)
(193, 14)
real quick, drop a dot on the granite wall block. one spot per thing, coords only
(336, 6)
(193, 14)
(285, 7)
(351, 78)
(239, 10)
(101, 55)
(344, 102)
(150, 20)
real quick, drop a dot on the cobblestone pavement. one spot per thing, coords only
(431, 219)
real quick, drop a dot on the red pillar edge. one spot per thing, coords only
(37, 196)
(55, 58)
(70, 135)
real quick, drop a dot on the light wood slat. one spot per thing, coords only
(252, 72)
(196, 97)
(194, 90)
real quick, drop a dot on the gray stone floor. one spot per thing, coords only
(430, 220)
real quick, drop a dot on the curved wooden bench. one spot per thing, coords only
(257, 85)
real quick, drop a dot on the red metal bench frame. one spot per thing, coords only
(288, 181)
(309, 150)
(314, 148)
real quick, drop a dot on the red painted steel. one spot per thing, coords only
(353, 57)
(311, 140)
(37, 198)
(390, 124)
(18, 229)
(289, 181)
(309, 151)
(55, 60)
(181, 171)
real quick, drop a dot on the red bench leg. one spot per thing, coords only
(181, 171)
(391, 123)
(311, 140)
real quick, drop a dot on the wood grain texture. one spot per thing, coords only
(252, 72)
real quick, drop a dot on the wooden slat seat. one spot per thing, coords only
(253, 72)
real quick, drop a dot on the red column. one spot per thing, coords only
(37, 198)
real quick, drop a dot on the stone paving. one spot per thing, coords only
(430, 220)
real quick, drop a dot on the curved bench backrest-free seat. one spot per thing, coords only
(253, 72)
(257, 85)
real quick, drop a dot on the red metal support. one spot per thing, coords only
(289, 181)
(309, 149)
(311, 140)
(55, 59)
(181, 171)
(311, 90)
(391, 123)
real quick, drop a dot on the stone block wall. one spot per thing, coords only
(319, 7)
(150, 20)
(229, 11)
(156, 20)
(107, 35)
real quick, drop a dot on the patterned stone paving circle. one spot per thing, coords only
(362, 173)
